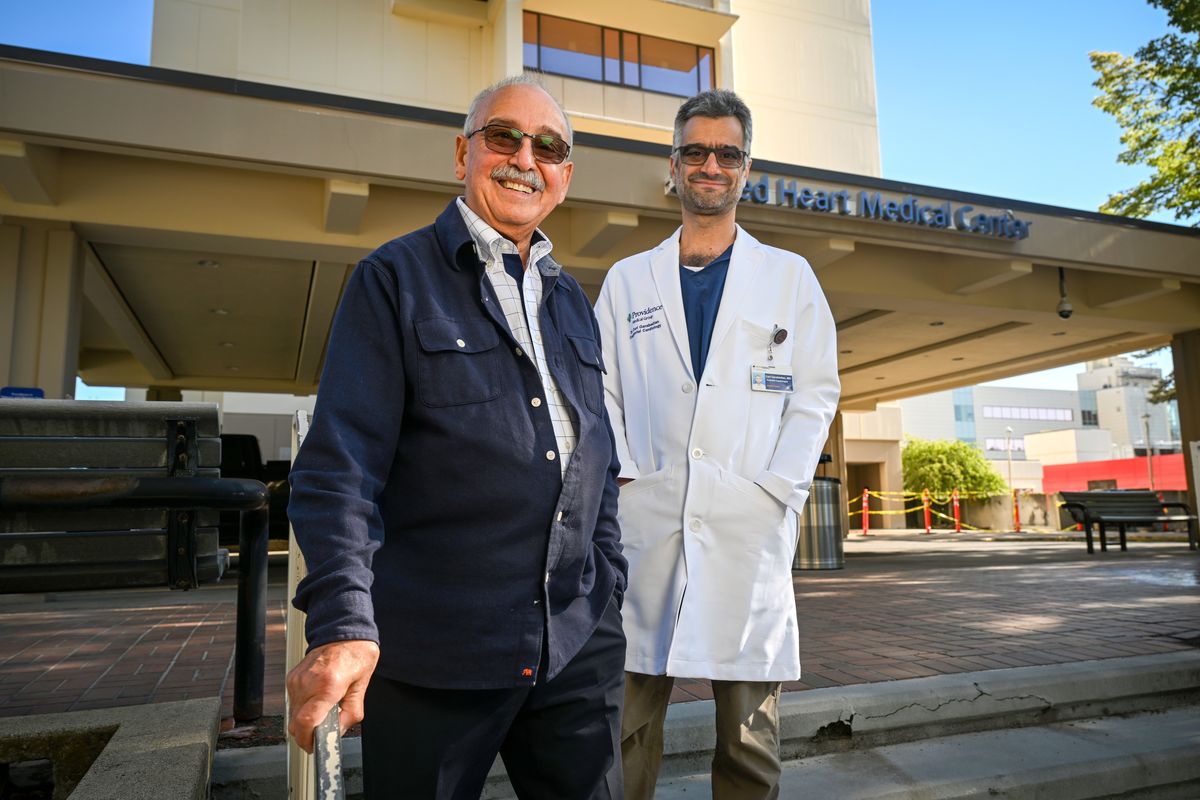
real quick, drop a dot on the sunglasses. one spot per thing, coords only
(547, 148)
(728, 157)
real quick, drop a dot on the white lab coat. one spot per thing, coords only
(706, 523)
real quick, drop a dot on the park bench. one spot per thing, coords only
(102, 495)
(1124, 509)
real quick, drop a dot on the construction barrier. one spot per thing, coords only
(926, 502)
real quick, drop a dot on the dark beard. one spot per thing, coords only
(707, 206)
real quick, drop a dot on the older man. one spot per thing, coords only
(455, 498)
(722, 381)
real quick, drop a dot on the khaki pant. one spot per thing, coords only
(745, 763)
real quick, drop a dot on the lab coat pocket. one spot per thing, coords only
(648, 509)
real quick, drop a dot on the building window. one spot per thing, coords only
(1026, 412)
(596, 53)
(1018, 445)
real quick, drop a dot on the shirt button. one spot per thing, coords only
(559, 516)
(687, 388)
(551, 455)
(695, 525)
(697, 453)
(460, 343)
(536, 402)
(519, 352)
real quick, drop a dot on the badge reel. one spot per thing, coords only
(770, 378)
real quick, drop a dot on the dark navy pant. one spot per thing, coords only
(559, 739)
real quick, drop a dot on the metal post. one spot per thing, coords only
(1149, 449)
(866, 511)
(925, 503)
(1008, 431)
(251, 642)
(1016, 512)
(957, 518)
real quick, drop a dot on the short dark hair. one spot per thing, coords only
(520, 79)
(713, 104)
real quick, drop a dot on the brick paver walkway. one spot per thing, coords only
(898, 610)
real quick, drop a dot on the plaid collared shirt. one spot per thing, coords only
(491, 247)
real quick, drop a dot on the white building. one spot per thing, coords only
(1115, 389)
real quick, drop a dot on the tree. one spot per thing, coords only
(943, 466)
(1163, 389)
(1155, 98)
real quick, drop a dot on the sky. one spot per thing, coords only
(986, 98)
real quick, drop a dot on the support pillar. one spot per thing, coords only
(41, 304)
(835, 446)
(1185, 350)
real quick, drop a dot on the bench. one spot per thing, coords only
(57, 548)
(1124, 509)
(102, 495)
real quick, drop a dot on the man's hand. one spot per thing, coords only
(337, 672)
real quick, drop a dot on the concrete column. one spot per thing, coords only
(835, 446)
(508, 36)
(41, 303)
(1185, 350)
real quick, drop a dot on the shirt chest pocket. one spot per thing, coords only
(459, 362)
(590, 366)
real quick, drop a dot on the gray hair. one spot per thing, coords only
(713, 104)
(470, 124)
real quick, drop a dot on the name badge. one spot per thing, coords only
(770, 379)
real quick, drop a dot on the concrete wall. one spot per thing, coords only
(351, 47)
(807, 71)
(1069, 446)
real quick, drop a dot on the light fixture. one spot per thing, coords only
(937, 323)
(845, 352)
(208, 263)
(957, 358)
(232, 369)
(227, 344)
(220, 312)
(1059, 333)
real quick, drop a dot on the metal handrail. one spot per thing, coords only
(231, 494)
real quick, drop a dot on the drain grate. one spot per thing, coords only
(27, 780)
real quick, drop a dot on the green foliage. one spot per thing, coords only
(1163, 389)
(942, 466)
(1155, 98)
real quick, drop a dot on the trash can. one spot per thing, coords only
(820, 527)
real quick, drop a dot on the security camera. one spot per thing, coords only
(1065, 309)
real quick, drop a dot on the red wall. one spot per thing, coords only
(1129, 473)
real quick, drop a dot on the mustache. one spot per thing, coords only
(507, 172)
(709, 178)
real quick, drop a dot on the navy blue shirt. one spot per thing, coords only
(431, 516)
(701, 300)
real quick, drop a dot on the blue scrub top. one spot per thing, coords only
(701, 300)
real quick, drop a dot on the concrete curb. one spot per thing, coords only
(866, 715)
(158, 751)
(830, 721)
(1145, 755)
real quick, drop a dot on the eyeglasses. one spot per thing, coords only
(728, 157)
(547, 148)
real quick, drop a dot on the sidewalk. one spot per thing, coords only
(906, 605)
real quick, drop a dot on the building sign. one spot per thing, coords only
(909, 210)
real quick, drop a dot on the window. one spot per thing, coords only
(596, 53)
(1026, 412)
(1018, 445)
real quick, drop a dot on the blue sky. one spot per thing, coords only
(993, 98)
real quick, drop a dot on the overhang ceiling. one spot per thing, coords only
(219, 231)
